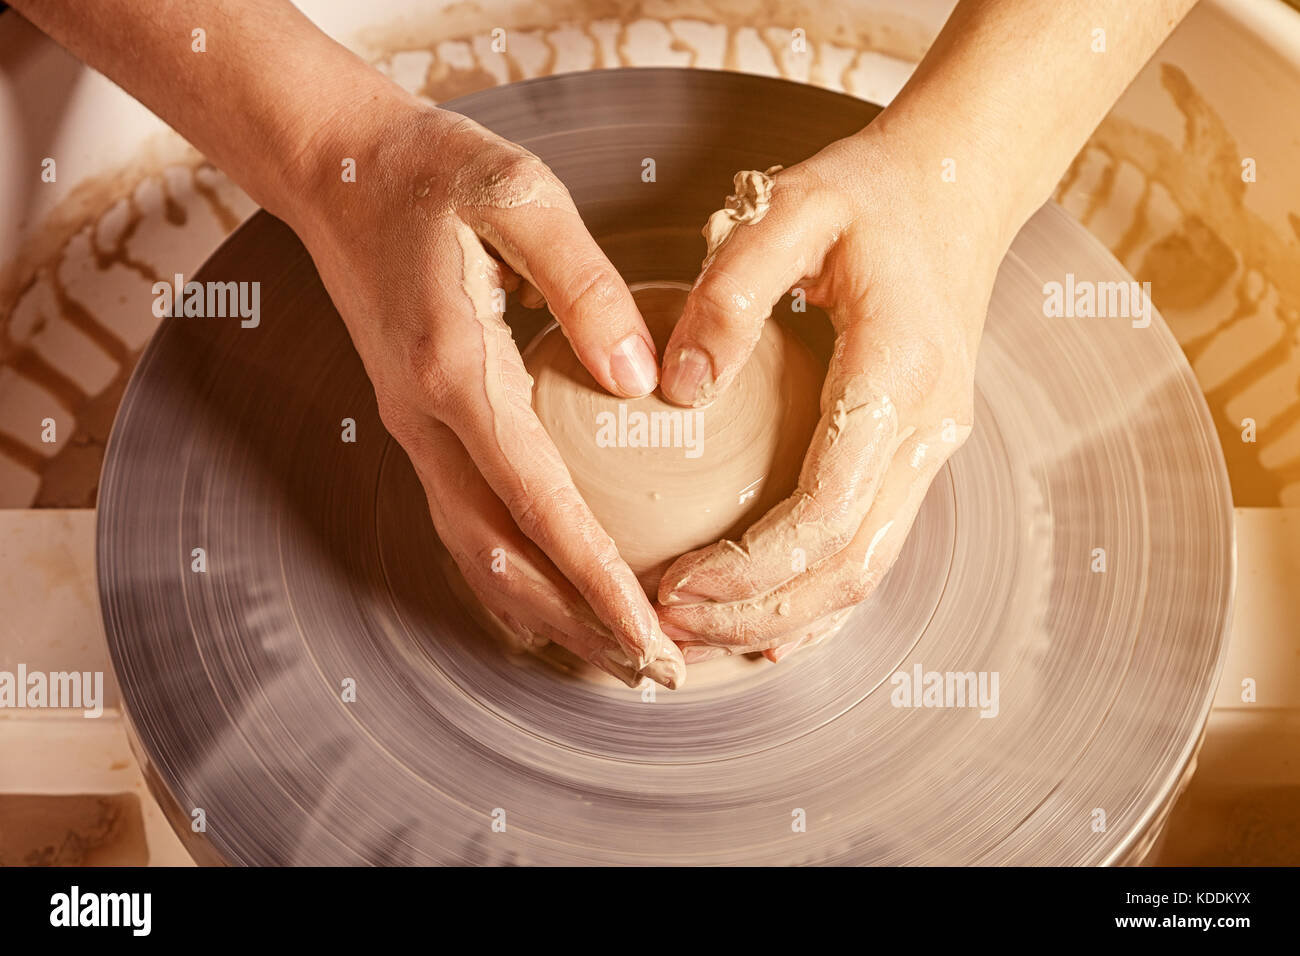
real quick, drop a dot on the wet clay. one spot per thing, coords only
(662, 479)
(747, 205)
(506, 394)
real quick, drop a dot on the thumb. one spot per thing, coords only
(732, 298)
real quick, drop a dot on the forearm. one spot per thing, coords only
(1012, 89)
(254, 102)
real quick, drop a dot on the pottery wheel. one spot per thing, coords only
(323, 568)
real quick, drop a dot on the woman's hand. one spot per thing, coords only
(904, 264)
(417, 254)
(903, 260)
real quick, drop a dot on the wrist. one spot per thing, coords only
(327, 137)
(950, 185)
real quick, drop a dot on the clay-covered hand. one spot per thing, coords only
(417, 254)
(904, 264)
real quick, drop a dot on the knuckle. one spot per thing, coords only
(839, 533)
(857, 587)
(724, 301)
(746, 626)
(530, 507)
(920, 369)
(395, 415)
(835, 513)
(591, 287)
(440, 379)
(511, 169)
(520, 164)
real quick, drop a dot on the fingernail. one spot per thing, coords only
(774, 654)
(688, 377)
(684, 597)
(632, 366)
(667, 671)
(702, 652)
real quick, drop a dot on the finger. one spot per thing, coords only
(811, 635)
(734, 295)
(550, 247)
(487, 400)
(507, 572)
(695, 653)
(855, 440)
(529, 297)
(510, 280)
(842, 580)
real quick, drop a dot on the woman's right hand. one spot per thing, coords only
(417, 254)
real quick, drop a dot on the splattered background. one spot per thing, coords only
(1159, 183)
